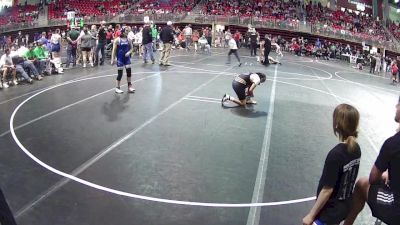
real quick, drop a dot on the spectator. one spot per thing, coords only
(55, 50)
(102, 41)
(31, 57)
(72, 46)
(382, 189)
(147, 42)
(6, 216)
(188, 36)
(340, 171)
(233, 50)
(7, 66)
(167, 37)
(86, 47)
(42, 56)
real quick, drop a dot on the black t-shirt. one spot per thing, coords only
(253, 37)
(102, 35)
(267, 45)
(340, 171)
(146, 36)
(389, 159)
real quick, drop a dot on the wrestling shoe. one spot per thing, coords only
(131, 89)
(225, 98)
(250, 101)
(118, 91)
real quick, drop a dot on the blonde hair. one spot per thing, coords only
(345, 124)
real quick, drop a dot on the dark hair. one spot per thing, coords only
(262, 76)
(345, 124)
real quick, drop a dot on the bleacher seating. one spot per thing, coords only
(86, 8)
(19, 14)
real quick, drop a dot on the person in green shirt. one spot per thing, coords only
(42, 57)
(30, 55)
(154, 35)
(72, 39)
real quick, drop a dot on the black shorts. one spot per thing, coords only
(240, 90)
(86, 49)
(381, 200)
(334, 211)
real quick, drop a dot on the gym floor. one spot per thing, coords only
(78, 153)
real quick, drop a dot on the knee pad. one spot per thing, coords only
(119, 77)
(128, 72)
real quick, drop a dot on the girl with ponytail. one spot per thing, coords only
(340, 171)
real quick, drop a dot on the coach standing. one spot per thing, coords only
(102, 41)
(167, 37)
(147, 42)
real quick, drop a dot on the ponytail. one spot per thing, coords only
(352, 144)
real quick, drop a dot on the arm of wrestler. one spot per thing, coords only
(114, 51)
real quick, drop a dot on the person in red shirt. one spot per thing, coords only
(195, 39)
(237, 36)
(109, 34)
(117, 32)
(296, 48)
(395, 70)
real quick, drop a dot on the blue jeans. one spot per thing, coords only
(20, 70)
(42, 65)
(28, 65)
(71, 55)
(100, 48)
(148, 52)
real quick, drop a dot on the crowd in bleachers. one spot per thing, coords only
(87, 9)
(395, 29)
(254, 8)
(163, 7)
(19, 14)
(345, 22)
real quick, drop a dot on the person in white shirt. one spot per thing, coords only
(228, 36)
(188, 36)
(21, 65)
(55, 50)
(204, 44)
(7, 66)
(233, 50)
(138, 40)
(131, 38)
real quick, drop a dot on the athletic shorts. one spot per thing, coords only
(240, 90)
(381, 200)
(123, 61)
(334, 211)
(55, 48)
(86, 49)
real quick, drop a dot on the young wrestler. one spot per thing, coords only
(122, 50)
(241, 83)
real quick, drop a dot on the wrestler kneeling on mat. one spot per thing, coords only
(244, 85)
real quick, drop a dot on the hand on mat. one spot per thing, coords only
(250, 93)
(308, 220)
